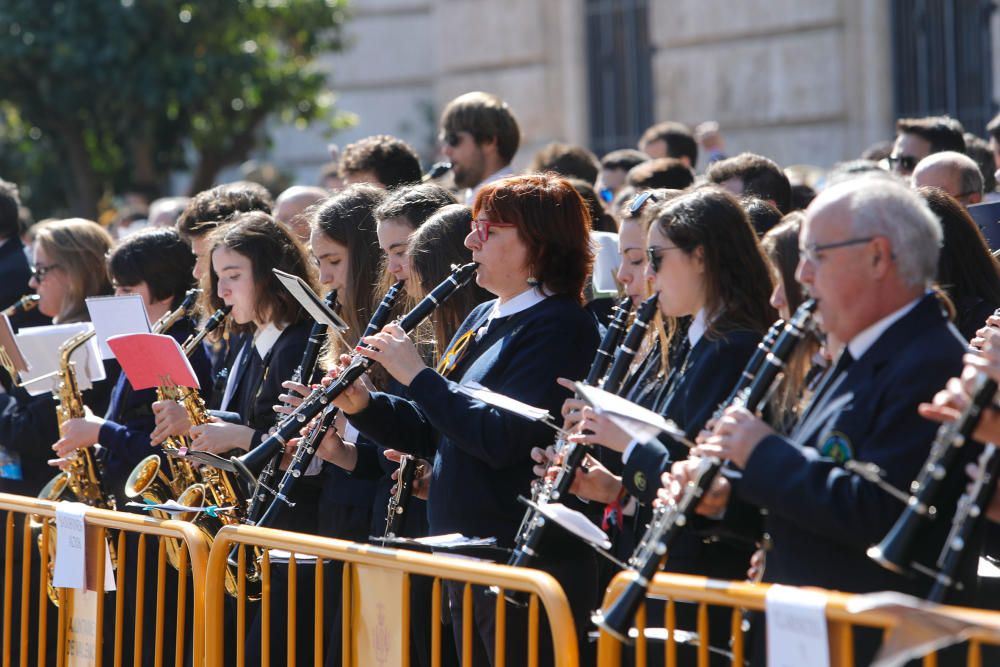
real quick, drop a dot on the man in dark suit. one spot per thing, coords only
(869, 251)
(14, 269)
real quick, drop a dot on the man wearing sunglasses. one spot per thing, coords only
(479, 136)
(916, 138)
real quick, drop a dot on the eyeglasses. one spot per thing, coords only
(811, 251)
(40, 271)
(451, 138)
(902, 162)
(640, 200)
(482, 228)
(655, 256)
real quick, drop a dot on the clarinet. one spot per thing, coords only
(895, 551)
(306, 450)
(315, 402)
(398, 502)
(750, 370)
(630, 346)
(544, 491)
(968, 519)
(302, 374)
(668, 521)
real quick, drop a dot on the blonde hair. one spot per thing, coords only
(79, 247)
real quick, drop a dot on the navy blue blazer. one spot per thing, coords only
(481, 454)
(821, 517)
(258, 384)
(713, 368)
(28, 426)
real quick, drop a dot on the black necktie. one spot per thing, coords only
(839, 369)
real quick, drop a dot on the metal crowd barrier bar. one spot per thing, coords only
(740, 596)
(74, 632)
(376, 583)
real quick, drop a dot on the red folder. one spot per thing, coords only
(150, 360)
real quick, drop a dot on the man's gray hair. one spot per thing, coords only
(882, 207)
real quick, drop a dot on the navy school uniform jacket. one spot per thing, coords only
(481, 454)
(713, 368)
(822, 518)
(29, 427)
(258, 381)
(258, 384)
(124, 437)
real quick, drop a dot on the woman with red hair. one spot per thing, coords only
(530, 236)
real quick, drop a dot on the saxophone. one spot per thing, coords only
(82, 477)
(206, 487)
(22, 305)
(148, 480)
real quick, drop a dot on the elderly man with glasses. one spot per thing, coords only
(869, 249)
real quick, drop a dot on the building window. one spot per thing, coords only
(942, 60)
(619, 72)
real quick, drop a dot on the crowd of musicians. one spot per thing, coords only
(818, 358)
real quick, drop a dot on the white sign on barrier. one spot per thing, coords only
(796, 628)
(71, 550)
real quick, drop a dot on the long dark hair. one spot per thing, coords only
(348, 219)
(433, 248)
(965, 266)
(781, 245)
(268, 245)
(737, 279)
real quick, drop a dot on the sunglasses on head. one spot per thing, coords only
(640, 202)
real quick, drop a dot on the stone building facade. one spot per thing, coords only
(802, 81)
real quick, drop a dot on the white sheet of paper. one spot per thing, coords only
(309, 300)
(117, 315)
(606, 262)
(40, 347)
(71, 549)
(796, 628)
(576, 523)
(641, 424)
(478, 391)
(922, 626)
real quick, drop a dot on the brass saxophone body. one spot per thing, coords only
(148, 480)
(82, 477)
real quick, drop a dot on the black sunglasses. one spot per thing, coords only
(905, 162)
(655, 256)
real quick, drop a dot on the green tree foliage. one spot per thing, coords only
(110, 95)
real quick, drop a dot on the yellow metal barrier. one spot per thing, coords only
(741, 596)
(369, 572)
(27, 538)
